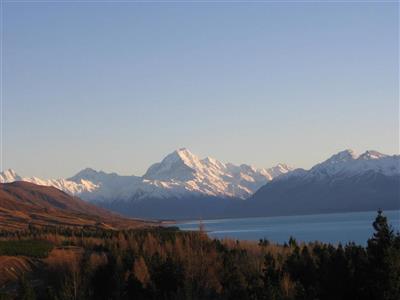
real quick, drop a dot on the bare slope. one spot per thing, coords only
(24, 203)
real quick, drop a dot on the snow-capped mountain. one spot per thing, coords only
(182, 185)
(348, 163)
(73, 188)
(179, 174)
(345, 182)
(9, 176)
(210, 176)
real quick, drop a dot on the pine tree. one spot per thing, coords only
(384, 261)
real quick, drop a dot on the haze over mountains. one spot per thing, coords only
(184, 186)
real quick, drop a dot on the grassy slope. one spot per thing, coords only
(23, 203)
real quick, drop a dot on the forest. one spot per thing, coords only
(166, 263)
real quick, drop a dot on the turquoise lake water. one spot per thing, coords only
(329, 228)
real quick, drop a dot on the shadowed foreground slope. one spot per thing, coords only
(23, 204)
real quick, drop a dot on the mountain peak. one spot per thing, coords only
(85, 174)
(284, 168)
(185, 154)
(343, 156)
(335, 162)
(9, 175)
(372, 154)
(348, 163)
(88, 171)
(10, 172)
(183, 150)
(178, 165)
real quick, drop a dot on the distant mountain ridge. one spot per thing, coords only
(348, 163)
(344, 182)
(183, 186)
(179, 174)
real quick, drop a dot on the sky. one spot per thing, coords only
(118, 86)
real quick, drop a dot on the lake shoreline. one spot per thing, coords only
(330, 228)
(272, 216)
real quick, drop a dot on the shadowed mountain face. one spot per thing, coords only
(183, 186)
(344, 182)
(23, 203)
(298, 195)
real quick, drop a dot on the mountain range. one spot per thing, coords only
(183, 185)
(179, 174)
(345, 182)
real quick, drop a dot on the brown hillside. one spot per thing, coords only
(23, 203)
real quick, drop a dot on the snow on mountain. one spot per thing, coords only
(345, 182)
(179, 165)
(67, 186)
(9, 176)
(348, 163)
(210, 176)
(179, 174)
(183, 175)
(278, 170)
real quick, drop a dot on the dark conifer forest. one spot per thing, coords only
(165, 263)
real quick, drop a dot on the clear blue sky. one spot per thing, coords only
(116, 86)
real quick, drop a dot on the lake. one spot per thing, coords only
(329, 228)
